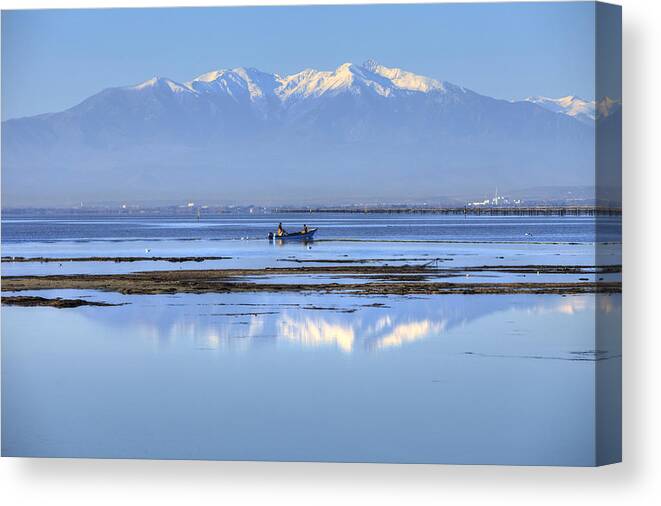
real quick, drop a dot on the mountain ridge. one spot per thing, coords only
(384, 80)
(385, 129)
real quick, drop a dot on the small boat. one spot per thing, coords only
(300, 236)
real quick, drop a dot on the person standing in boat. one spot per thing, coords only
(305, 228)
(281, 231)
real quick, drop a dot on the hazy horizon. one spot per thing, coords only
(549, 195)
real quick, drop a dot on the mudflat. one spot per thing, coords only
(365, 280)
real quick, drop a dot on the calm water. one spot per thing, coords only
(456, 379)
(459, 241)
(333, 226)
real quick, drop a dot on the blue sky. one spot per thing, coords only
(52, 60)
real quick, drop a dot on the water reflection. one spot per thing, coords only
(204, 334)
(385, 333)
(317, 331)
(409, 332)
(347, 324)
(564, 305)
(460, 379)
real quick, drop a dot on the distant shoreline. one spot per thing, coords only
(210, 211)
(473, 210)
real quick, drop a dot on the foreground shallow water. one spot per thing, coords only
(503, 379)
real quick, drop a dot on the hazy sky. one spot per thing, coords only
(52, 60)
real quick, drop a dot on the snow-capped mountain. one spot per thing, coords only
(300, 136)
(584, 110)
(254, 85)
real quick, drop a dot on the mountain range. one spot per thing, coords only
(357, 133)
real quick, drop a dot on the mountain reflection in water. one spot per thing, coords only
(348, 325)
(385, 333)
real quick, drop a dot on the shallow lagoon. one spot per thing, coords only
(450, 378)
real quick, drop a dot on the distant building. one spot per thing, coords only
(496, 200)
(484, 202)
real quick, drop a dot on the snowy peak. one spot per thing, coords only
(583, 110)
(348, 77)
(314, 83)
(402, 79)
(570, 105)
(162, 83)
(237, 83)
(370, 77)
